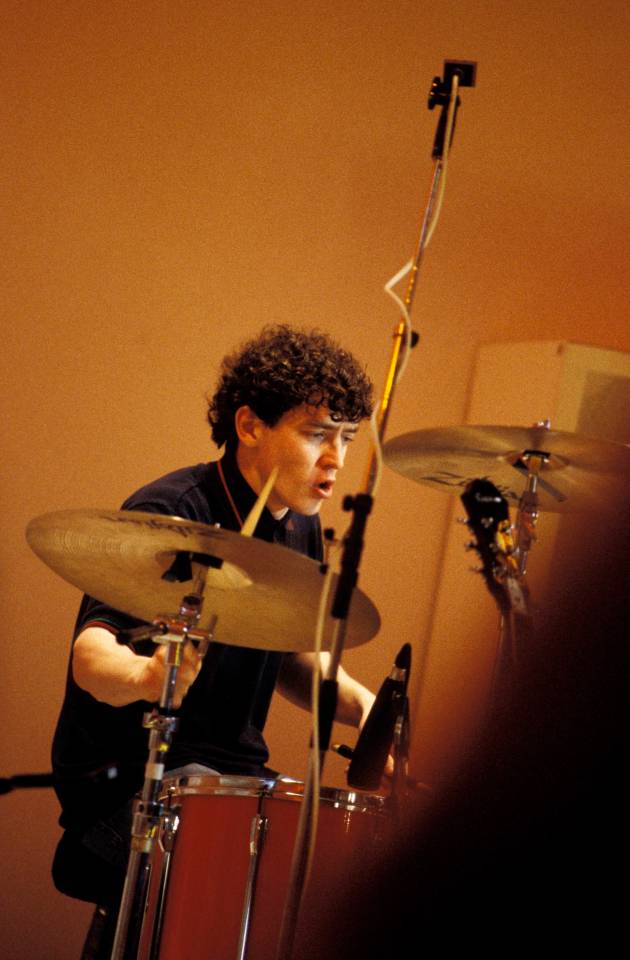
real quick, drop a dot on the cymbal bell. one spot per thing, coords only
(578, 473)
(264, 595)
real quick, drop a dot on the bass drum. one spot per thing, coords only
(220, 872)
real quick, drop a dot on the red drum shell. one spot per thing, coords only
(207, 884)
(351, 832)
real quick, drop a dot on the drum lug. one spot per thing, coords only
(170, 823)
(257, 833)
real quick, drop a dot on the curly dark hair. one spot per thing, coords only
(283, 368)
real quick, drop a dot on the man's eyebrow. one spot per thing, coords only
(333, 425)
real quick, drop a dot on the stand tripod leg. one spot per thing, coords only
(147, 819)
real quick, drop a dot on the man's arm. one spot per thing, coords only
(354, 701)
(115, 674)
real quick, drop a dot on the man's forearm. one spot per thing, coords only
(109, 671)
(114, 674)
(353, 700)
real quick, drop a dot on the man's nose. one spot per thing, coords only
(334, 454)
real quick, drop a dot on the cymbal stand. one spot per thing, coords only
(148, 811)
(515, 626)
(528, 513)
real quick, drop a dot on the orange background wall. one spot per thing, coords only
(173, 176)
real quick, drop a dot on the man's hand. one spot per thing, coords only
(116, 675)
(153, 671)
(354, 701)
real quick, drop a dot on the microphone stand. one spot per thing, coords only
(360, 506)
(21, 781)
(327, 707)
(400, 781)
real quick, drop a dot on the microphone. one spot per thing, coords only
(370, 754)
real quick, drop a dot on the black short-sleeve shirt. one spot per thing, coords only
(99, 751)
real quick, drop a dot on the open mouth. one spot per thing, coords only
(325, 487)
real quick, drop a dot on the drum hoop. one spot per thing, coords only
(286, 788)
(283, 788)
(216, 785)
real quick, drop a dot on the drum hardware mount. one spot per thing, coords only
(170, 823)
(258, 832)
(148, 810)
(163, 625)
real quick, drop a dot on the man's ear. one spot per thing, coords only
(248, 426)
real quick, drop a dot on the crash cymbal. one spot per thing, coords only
(265, 595)
(579, 473)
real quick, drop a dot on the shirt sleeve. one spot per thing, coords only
(94, 612)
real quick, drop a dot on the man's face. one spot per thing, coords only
(307, 446)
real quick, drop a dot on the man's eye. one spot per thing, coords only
(348, 438)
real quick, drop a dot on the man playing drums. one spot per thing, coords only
(288, 400)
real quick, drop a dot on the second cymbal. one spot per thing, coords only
(578, 473)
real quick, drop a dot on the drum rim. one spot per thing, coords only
(217, 785)
(280, 788)
(285, 788)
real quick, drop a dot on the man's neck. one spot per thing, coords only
(248, 467)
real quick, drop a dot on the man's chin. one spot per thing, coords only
(308, 508)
